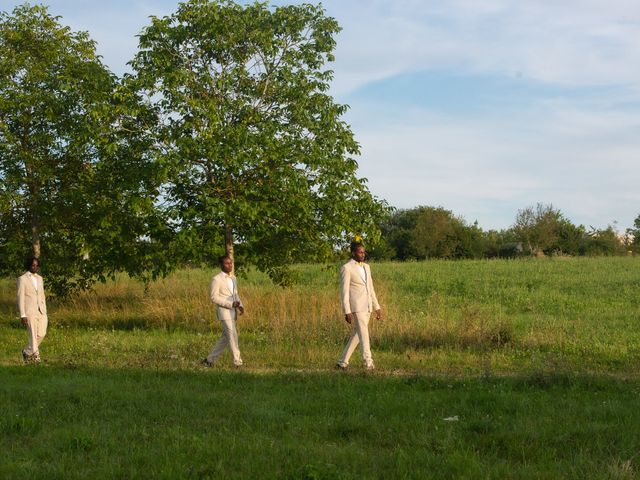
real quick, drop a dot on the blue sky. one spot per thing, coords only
(483, 107)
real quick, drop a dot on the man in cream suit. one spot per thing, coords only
(358, 301)
(224, 293)
(33, 308)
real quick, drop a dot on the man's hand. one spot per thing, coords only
(235, 304)
(348, 317)
(241, 309)
(24, 321)
(378, 314)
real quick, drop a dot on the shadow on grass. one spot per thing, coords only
(125, 324)
(491, 339)
(326, 380)
(130, 323)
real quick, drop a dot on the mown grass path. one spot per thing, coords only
(135, 423)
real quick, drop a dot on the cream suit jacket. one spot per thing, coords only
(31, 301)
(357, 296)
(222, 296)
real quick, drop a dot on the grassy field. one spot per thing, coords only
(534, 364)
(147, 423)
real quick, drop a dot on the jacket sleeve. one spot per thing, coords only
(216, 295)
(236, 295)
(20, 298)
(345, 280)
(374, 299)
(44, 297)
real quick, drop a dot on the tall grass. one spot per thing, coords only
(478, 317)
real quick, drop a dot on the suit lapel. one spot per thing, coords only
(29, 283)
(226, 283)
(355, 269)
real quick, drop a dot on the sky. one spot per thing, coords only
(483, 107)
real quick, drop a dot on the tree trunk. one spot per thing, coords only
(34, 192)
(35, 235)
(228, 240)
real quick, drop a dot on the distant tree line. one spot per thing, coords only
(433, 232)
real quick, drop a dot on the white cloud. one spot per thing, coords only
(580, 42)
(585, 163)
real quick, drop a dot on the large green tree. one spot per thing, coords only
(544, 229)
(259, 158)
(432, 232)
(539, 228)
(74, 186)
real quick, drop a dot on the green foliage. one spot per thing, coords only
(430, 232)
(502, 244)
(539, 228)
(604, 242)
(53, 90)
(545, 230)
(570, 238)
(78, 187)
(255, 150)
(633, 234)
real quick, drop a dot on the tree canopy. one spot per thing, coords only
(75, 187)
(52, 91)
(430, 232)
(258, 157)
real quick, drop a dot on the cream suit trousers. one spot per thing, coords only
(229, 337)
(360, 334)
(37, 327)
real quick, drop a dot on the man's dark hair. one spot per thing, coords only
(29, 261)
(355, 245)
(222, 258)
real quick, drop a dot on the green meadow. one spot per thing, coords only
(485, 369)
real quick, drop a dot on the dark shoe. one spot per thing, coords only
(25, 358)
(206, 363)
